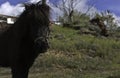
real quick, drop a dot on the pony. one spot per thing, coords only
(97, 21)
(21, 43)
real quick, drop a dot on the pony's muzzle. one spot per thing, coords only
(42, 42)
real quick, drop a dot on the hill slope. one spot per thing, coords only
(73, 55)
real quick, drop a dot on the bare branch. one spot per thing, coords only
(68, 7)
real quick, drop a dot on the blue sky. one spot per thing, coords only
(13, 2)
(101, 5)
(112, 5)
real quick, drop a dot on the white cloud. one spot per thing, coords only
(84, 7)
(35, 1)
(90, 10)
(8, 9)
(13, 10)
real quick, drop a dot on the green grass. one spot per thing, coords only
(72, 55)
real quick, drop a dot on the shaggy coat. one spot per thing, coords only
(21, 43)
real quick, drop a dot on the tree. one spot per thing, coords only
(71, 9)
(105, 21)
(68, 8)
(109, 20)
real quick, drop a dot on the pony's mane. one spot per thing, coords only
(41, 13)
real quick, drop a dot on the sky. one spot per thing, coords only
(12, 7)
(112, 5)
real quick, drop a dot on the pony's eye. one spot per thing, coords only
(29, 13)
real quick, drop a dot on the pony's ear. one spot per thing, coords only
(38, 3)
(26, 5)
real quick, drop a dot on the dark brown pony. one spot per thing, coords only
(21, 43)
(97, 21)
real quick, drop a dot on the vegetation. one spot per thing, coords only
(74, 55)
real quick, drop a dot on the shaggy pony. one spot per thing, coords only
(22, 42)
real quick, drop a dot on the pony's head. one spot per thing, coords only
(36, 18)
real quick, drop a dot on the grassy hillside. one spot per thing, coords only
(74, 55)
